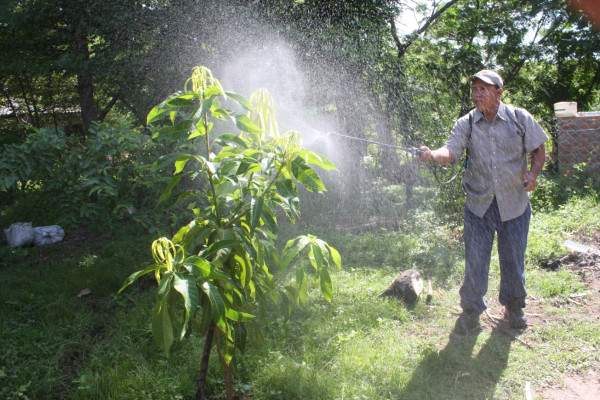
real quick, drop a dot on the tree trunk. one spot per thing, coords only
(204, 363)
(227, 369)
(85, 87)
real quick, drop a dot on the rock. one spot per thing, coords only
(407, 287)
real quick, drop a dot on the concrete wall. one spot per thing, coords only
(579, 141)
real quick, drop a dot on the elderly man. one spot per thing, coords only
(497, 138)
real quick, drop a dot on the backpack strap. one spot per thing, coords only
(469, 140)
(516, 115)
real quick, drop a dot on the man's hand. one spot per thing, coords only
(529, 182)
(441, 156)
(425, 156)
(538, 158)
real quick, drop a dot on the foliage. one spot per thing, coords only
(61, 179)
(554, 190)
(223, 264)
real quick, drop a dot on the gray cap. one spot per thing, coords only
(488, 76)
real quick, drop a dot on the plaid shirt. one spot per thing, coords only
(497, 158)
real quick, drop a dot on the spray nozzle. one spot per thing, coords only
(415, 151)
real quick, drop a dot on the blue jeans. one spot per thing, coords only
(512, 242)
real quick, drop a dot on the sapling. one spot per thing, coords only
(220, 267)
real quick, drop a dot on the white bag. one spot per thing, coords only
(19, 234)
(48, 235)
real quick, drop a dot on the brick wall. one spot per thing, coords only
(579, 141)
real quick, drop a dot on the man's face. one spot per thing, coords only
(485, 97)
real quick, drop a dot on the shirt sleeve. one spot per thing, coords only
(534, 133)
(459, 137)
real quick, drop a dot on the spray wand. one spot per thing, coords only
(415, 151)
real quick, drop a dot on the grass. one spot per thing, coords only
(55, 345)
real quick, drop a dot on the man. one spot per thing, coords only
(497, 138)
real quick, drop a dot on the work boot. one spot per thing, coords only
(515, 315)
(467, 322)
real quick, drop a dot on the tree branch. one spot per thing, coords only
(410, 39)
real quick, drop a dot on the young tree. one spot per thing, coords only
(223, 265)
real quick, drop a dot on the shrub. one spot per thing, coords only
(53, 178)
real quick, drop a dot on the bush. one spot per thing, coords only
(554, 190)
(52, 178)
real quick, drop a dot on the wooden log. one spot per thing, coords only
(407, 287)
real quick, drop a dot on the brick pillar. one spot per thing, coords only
(579, 141)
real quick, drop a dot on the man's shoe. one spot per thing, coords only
(467, 322)
(516, 317)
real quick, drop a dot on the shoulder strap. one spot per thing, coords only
(469, 140)
(514, 113)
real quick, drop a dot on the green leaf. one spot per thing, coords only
(286, 188)
(256, 210)
(221, 244)
(306, 175)
(178, 131)
(311, 157)
(335, 256)
(204, 108)
(244, 124)
(162, 328)
(183, 159)
(186, 285)
(326, 287)
(181, 101)
(292, 248)
(228, 347)
(238, 316)
(165, 108)
(164, 287)
(318, 258)
(167, 193)
(302, 284)
(133, 277)
(217, 305)
(230, 140)
(242, 101)
(270, 220)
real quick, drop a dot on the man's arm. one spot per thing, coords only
(538, 158)
(441, 156)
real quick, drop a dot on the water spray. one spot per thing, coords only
(415, 151)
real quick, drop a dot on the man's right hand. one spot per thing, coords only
(426, 156)
(441, 156)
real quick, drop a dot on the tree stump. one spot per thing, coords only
(407, 287)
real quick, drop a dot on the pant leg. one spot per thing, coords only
(479, 238)
(512, 242)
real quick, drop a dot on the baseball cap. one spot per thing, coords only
(488, 76)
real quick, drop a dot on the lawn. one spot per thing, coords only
(59, 343)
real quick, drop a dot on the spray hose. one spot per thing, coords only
(415, 151)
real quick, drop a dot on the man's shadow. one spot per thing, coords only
(456, 373)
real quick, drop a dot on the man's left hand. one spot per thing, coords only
(529, 182)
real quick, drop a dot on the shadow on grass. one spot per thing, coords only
(456, 373)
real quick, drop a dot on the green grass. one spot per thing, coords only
(55, 345)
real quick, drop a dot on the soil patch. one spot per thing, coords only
(584, 385)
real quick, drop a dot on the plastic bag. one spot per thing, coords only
(48, 235)
(19, 234)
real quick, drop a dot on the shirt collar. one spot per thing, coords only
(501, 113)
